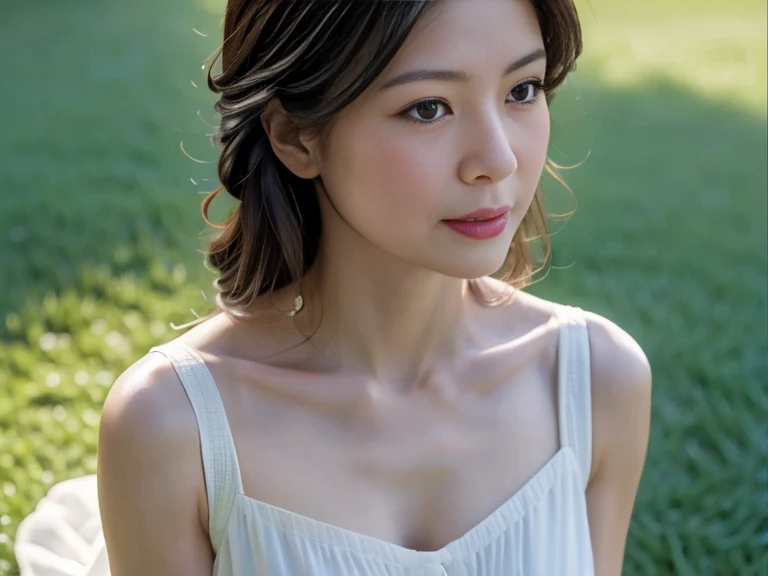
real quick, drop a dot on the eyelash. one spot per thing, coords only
(536, 83)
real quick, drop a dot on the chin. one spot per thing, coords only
(470, 267)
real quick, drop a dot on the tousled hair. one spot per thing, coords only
(316, 57)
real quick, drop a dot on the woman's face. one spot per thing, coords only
(456, 123)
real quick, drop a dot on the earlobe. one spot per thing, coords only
(285, 137)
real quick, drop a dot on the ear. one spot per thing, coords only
(298, 152)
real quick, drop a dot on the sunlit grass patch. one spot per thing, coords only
(715, 48)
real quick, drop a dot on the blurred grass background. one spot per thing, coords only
(100, 227)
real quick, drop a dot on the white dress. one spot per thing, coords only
(541, 530)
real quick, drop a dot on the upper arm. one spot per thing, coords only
(150, 476)
(621, 400)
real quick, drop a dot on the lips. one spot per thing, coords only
(481, 214)
(481, 224)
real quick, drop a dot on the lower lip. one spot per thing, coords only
(479, 229)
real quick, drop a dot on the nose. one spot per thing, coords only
(488, 154)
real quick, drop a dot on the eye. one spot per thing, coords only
(425, 112)
(526, 93)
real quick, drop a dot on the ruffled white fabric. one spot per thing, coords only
(62, 536)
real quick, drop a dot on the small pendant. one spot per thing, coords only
(298, 303)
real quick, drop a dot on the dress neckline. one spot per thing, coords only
(490, 527)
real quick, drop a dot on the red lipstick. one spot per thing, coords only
(481, 224)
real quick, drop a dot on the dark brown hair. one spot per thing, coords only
(316, 57)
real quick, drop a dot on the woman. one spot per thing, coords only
(368, 400)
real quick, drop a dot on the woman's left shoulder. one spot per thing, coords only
(620, 375)
(615, 356)
(621, 395)
(620, 382)
(619, 364)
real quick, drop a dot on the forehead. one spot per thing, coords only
(469, 34)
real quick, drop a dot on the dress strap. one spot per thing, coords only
(575, 388)
(220, 466)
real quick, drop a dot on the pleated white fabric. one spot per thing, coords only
(540, 531)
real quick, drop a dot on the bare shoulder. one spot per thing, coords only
(150, 477)
(621, 419)
(148, 426)
(148, 421)
(148, 401)
(621, 391)
(619, 364)
(620, 377)
(620, 369)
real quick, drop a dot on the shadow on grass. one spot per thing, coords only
(668, 241)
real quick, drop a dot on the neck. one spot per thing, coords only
(381, 316)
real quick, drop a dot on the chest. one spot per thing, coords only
(419, 471)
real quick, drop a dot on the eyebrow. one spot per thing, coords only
(455, 76)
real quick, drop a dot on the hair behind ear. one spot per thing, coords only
(261, 244)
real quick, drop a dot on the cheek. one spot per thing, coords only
(379, 178)
(406, 173)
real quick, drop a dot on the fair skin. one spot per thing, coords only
(414, 410)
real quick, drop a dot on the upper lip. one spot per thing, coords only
(484, 213)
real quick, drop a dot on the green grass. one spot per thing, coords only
(99, 229)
